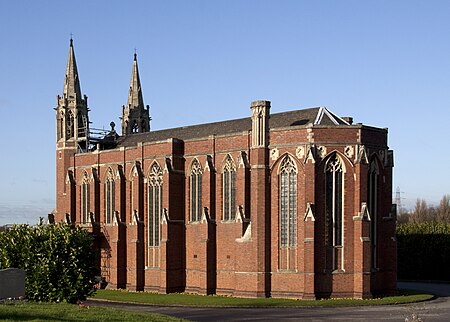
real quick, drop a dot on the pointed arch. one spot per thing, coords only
(375, 164)
(229, 188)
(85, 197)
(345, 162)
(134, 172)
(334, 205)
(275, 166)
(287, 161)
(195, 185)
(155, 173)
(109, 195)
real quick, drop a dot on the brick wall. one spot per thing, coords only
(214, 256)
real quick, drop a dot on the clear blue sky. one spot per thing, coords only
(386, 63)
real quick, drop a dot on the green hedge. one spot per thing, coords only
(58, 259)
(424, 251)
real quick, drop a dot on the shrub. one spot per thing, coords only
(424, 251)
(58, 259)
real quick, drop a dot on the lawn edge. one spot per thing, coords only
(433, 297)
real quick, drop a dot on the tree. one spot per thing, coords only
(421, 212)
(59, 260)
(443, 211)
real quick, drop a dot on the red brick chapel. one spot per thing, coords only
(295, 204)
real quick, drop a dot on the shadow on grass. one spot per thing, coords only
(49, 312)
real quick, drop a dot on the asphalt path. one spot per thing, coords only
(435, 310)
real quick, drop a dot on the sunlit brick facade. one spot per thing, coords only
(295, 204)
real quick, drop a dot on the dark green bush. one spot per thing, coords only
(59, 260)
(424, 251)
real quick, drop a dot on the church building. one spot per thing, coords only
(295, 204)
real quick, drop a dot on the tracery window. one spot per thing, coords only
(85, 198)
(154, 201)
(288, 202)
(372, 206)
(334, 208)
(229, 189)
(195, 183)
(109, 197)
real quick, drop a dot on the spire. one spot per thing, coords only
(135, 99)
(72, 128)
(71, 80)
(135, 115)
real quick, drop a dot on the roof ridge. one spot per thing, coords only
(300, 117)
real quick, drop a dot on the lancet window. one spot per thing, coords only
(109, 197)
(85, 198)
(195, 179)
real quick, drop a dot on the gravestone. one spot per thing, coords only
(12, 283)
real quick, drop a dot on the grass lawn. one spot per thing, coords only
(32, 311)
(224, 301)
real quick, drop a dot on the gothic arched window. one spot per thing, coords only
(85, 198)
(288, 202)
(229, 189)
(334, 208)
(195, 180)
(109, 197)
(372, 206)
(154, 201)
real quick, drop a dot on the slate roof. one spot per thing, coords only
(316, 115)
